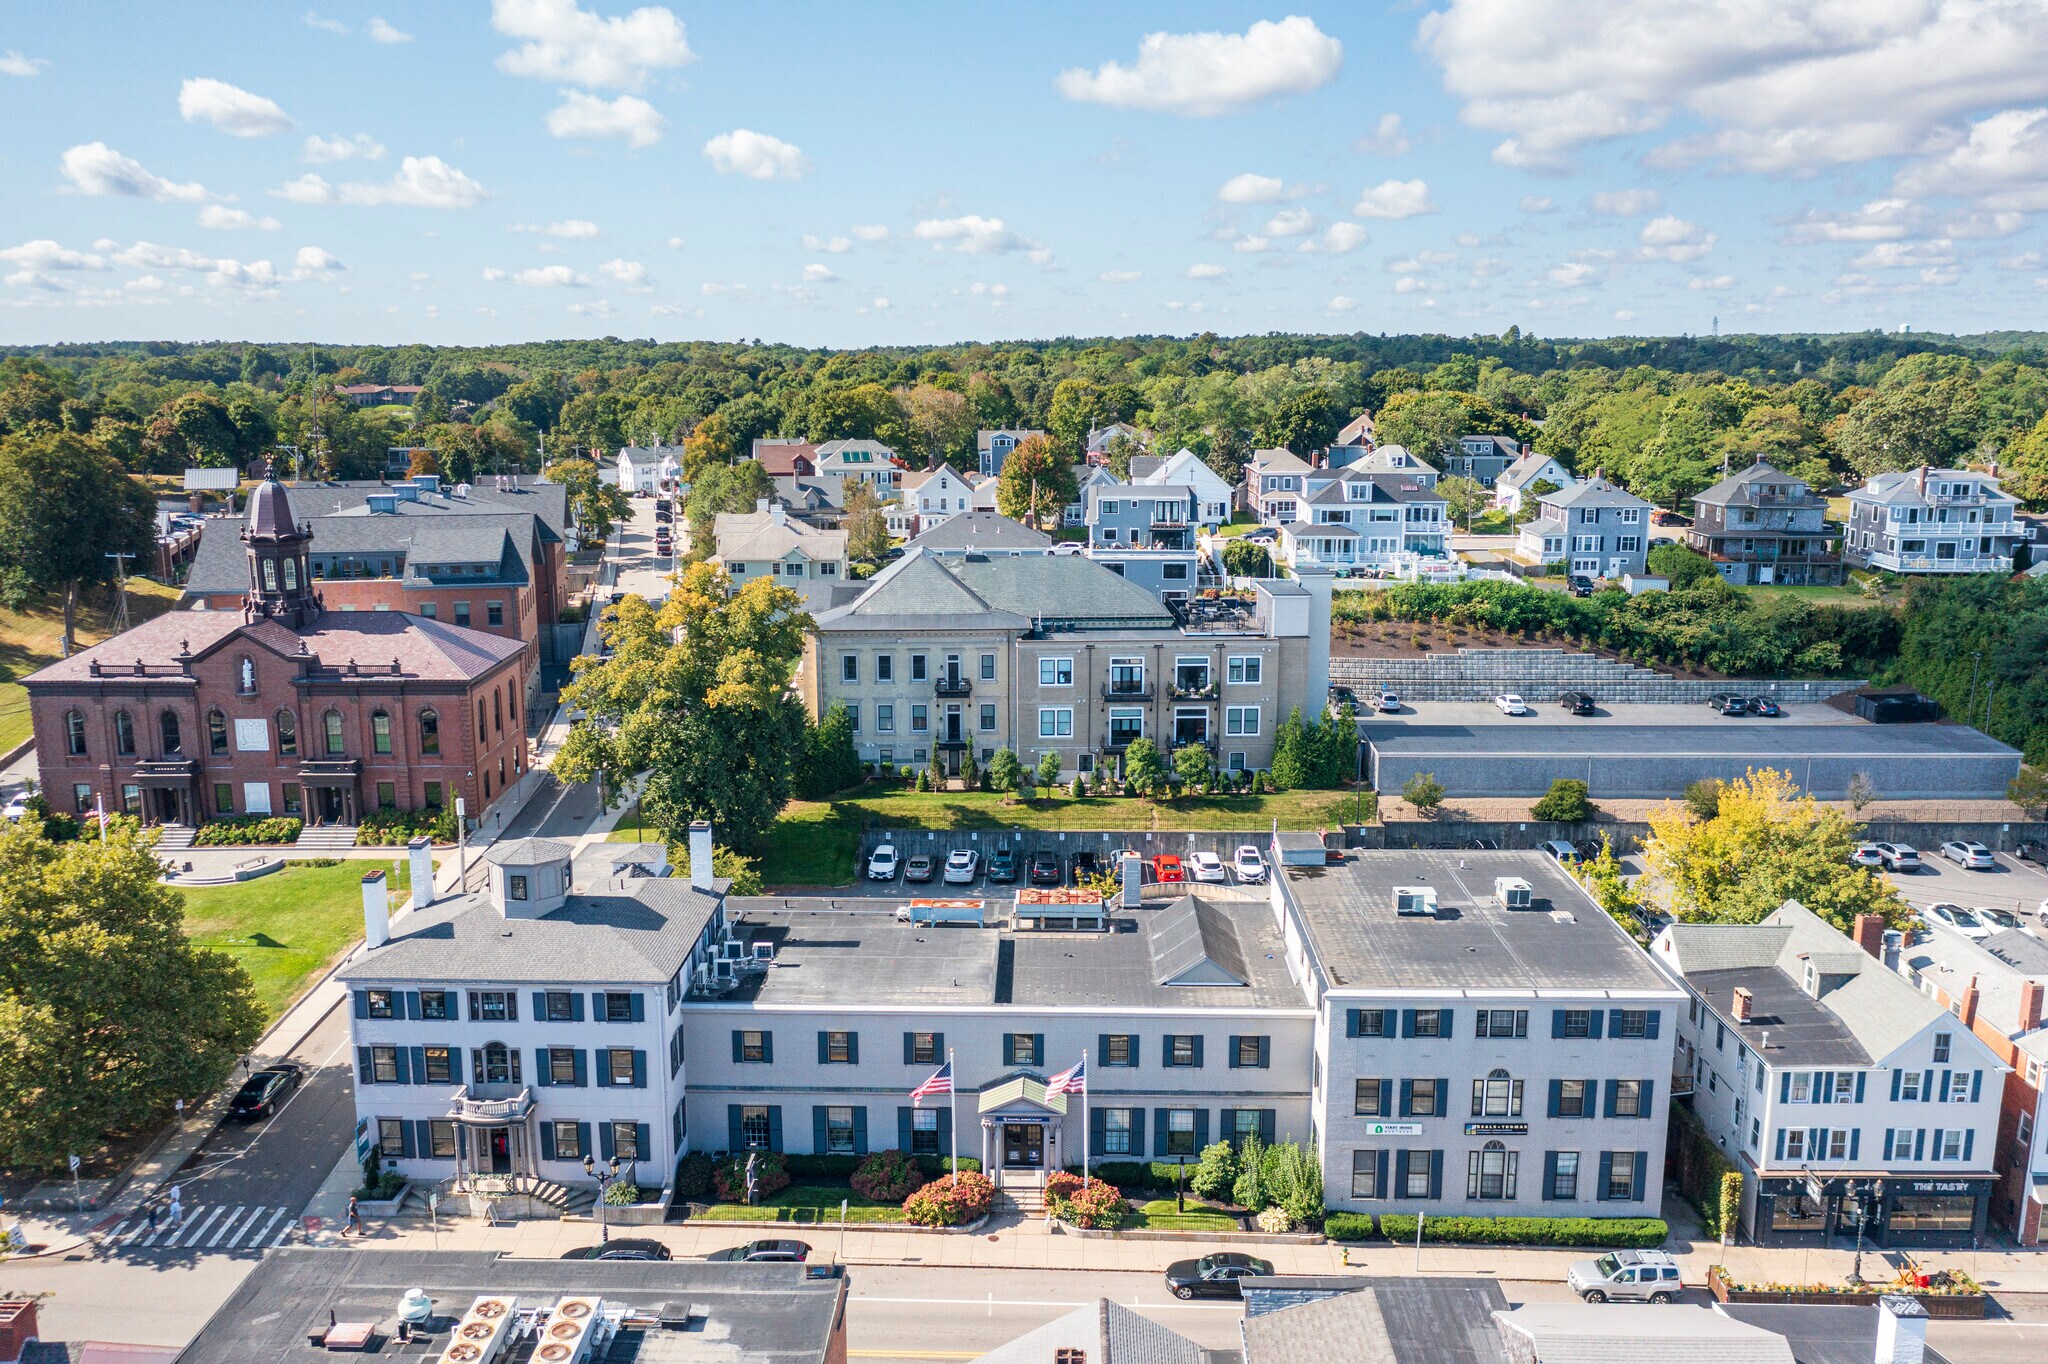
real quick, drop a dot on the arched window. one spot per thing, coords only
(1497, 1096)
(498, 710)
(380, 731)
(483, 729)
(168, 731)
(497, 1064)
(332, 723)
(74, 733)
(512, 703)
(291, 575)
(430, 732)
(124, 734)
(1490, 1172)
(216, 732)
(287, 732)
(270, 575)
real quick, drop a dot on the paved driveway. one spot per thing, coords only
(2021, 887)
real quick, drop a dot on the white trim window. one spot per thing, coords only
(1247, 670)
(1056, 722)
(1055, 672)
(1240, 720)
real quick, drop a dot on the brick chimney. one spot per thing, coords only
(2031, 993)
(1967, 1012)
(17, 1327)
(1744, 1001)
(1869, 934)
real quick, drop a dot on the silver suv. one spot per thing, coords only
(1626, 1276)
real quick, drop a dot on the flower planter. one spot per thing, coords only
(1945, 1306)
(383, 1207)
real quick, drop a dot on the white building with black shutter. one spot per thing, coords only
(1837, 1088)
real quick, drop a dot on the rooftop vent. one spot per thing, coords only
(1415, 900)
(1512, 892)
(383, 502)
(406, 492)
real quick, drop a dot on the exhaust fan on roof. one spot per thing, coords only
(1415, 900)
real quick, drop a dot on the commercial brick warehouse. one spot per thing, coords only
(281, 707)
(1522, 755)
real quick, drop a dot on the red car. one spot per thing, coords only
(1167, 867)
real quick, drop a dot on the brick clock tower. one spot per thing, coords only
(280, 564)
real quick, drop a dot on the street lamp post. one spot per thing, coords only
(605, 1175)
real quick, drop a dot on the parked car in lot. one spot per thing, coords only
(1509, 703)
(1972, 855)
(1388, 704)
(1959, 919)
(962, 866)
(1167, 868)
(1576, 702)
(625, 1248)
(1260, 535)
(1082, 866)
(1249, 865)
(773, 1252)
(1626, 1276)
(1207, 866)
(1579, 585)
(15, 810)
(1867, 855)
(1214, 1276)
(1342, 696)
(1735, 705)
(920, 867)
(1045, 868)
(1764, 706)
(1897, 856)
(1720, 699)
(1999, 919)
(1002, 865)
(1561, 849)
(883, 863)
(263, 1093)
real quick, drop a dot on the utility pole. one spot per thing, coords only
(120, 591)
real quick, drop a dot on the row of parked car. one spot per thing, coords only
(1904, 857)
(965, 866)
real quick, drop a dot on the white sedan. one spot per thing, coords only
(1510, 704)
(962, 866)
(1207, 866)
(883, 863)
(1251, 868)
(1974, 856)
(1958, 918)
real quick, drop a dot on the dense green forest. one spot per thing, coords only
(1659, 415)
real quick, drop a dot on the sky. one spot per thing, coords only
(479, 171)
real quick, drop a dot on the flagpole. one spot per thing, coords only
(953, 1106)
(1085, 1130)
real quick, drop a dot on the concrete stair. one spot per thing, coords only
(326, 838)
(579, 1201)
(175, 838)
(1024, 1192)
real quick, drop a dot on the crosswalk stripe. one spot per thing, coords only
(245, 1227)
(198, 1231)
(282, 1232)
(232, 1218)
(257, 1239)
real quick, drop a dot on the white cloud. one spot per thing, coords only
(597, 308)
(320, 151)
(1394, 199)
(1338, 238)
(231, 109)
(676, 243)
(421, 182)
(313, 259)
(1342, 303)
(96, 168)
(837, 246)
(2024, 260)
(493, 274)
(14, 64)
(630, 273)
(1252, 245)
(1199, 75)
(756, 156)
(1409, 284)
(629, 118)
(551, 277)
(997, 291)
(881, 305)
(1387, 138)
(150, 256)
(1252, 189)
(1717, 284)
(1984, 224)
(1205, 271)
(710, 290)
(871, 232)
(1781, 89)
(1627, 203)
(573, 229)
(1674, 239)
(1877, 221)
(577, 47)
(1575, 275)
(815, 273)
(1624, 315)
(674, 310)
(231, 219)
(1538, 203)
(380, 31)
(44, 254)
(1907, 255)
(2002, 164)
(1291, 222)
(1119, 276)
(313, 20)
(972, 234)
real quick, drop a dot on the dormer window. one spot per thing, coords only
(516, 886)
(1810, 980)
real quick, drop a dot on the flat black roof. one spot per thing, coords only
(1519, 738)
(1779, 1009)
(770, 1313)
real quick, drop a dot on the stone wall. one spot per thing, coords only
(1541, 673)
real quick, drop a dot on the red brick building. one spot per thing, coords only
(283, 706)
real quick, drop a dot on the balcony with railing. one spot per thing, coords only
(1117, 740)
(952, 684)
(1127, 689)
(469, 1107)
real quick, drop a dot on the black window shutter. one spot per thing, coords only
(1607, 1103)
(853, 1047)
(605, 1149)
(1269, 1125)
(1407, 1022)
(575, 1006)
(412, 1008)
(638, 1006)
(604, 1067)
(583, 1137)
(407, 1140)
(1606, 1173)
(1138, 1132)
(1038, 1049)
(775, 1127)
(547, 1141)
(1159, 1127)
(1593, 1023)
(639, 1069)
(768, 1052)
(1557, 1022)
(939, 1048)
(1556, 1099)
(1650, 1025)
(362, 1003)
(598, 1013)
(823, 1044)
(1102, 1049)
(1265, 1053)
(1201, 1128)
(1379, 1174)
(512, 1006)
(1550, 1171)
(735, 1135)
(1443, 1020)
(736, 1044)
(1642, 1169)
(1407, 1099)
(1614, 1022)
(1166, 1049)
(946, 1132)
(643, 1138)
(1649, 1098)
(540, 1006)
(1443, 1095)
(1228, 1119)
(1198, 1051)
(365, 1068)
(1436, 1175)
(1401, 1174)
(419, 1065)
(582, 1063)
(818, 1138)
(909, 1053)
(1097, 1127)
(860, 1130)
(1233, 1051)
(903, 1137)
(1352, 1022)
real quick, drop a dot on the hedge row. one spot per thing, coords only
(1136, 1174)
(1631, 1233)
(230, 830)
(840, 1168)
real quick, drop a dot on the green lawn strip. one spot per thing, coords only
(286, 927)
(1159, 1215)
(1818, 595)
(15, 724)
(802, 1203)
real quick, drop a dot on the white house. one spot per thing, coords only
(1274, 485)
(1364, 521)
(769, 542)
(644, 468)
(1528, 470)
(1384, 459)
(932, 495)
(868, 461)
(1592, 527)
(1212, 495)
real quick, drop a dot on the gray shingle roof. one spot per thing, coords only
(981, 530)
(1740, 488)
(1104, 1333)
(1194, 943)
(1593, 492)
(1004, 591)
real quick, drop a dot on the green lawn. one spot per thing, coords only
(1159, 1215)
(1850, 595)
(1239, 524)
(805, 1203)
(285, 927)
(814, 842)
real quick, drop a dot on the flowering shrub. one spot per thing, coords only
(950, 1202)
(230, 830)
(729, 1180)
(886, 1176)
(1100, 1206)
(1944, 1283)
(1275, 1219)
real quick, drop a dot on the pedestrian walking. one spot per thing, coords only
(149, 1214)
(355, 1218)
(177, 1208)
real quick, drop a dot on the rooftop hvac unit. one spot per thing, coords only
(1513, 892)
(764, 951)
(1414, 900)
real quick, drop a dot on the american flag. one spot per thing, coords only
(939, 1082)
(1073, 1081)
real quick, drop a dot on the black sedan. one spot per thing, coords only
(920, 867)
(768, 1252)
(1577, 702)
(625, 1248)
(1214, 1276)
(1045, 868)
(263, 1093)
(1764, 706)
(1579, 585)
(1083, 867)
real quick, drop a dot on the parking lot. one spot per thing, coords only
(1106, 848)
(1545, 710)
(2021, 887)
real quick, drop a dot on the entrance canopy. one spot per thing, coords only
(1017, 1098)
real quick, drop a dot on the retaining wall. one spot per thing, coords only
(1541, 673)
